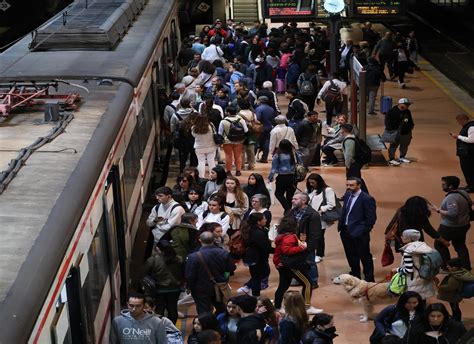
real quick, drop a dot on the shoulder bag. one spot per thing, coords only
(300, 170)
(222, 289)
(218, 138)
(332, 215)
(390, 136)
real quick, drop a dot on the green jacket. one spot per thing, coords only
(168, 277)
(451, 286)
(184, 239)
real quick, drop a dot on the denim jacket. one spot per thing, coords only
(282, 163)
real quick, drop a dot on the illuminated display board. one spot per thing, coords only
(288, 8)
(377, 7)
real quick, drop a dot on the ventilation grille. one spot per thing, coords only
(99, 26)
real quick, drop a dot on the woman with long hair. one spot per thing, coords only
(294, 323)
(322, 198)
(398, 319)
(283, 164)
(217, 175)
(267, 310)
(204, 144)
(287, 245)
(195, 203)
(228, 322)
(257, 205)
(168, 271)
(215, 213)
(256, 255)
(435, 327)
(256, 185)
(414, 214)
(234, 198)
(203, 322)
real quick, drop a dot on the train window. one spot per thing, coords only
(131, 165)
(94, 284)
(174, 39)
(146, 120)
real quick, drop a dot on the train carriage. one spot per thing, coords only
(69, 217)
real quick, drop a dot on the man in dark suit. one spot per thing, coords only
(358, 218)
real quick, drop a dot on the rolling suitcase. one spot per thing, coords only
(280, 86)
(385, 102)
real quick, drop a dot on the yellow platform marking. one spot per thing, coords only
(458, 102)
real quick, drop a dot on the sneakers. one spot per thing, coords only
(318, 259)
(229, 174)
(238, 173)
(404, 160)
(244, 290)
(394, 162)
(313, 310)
(181, 315)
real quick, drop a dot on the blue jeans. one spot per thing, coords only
(313, 268)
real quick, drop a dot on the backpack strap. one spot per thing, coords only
(469, 202)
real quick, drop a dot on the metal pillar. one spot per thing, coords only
(334, 20)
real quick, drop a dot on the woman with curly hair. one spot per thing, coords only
(414, 214)
(204, 144)
(234, 198)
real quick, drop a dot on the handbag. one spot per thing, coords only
(390, 136)
(148, 285)
(222, 289)
(295, 261)
(398, 284)
(300, 170)
(218, 138)
(333, 215)
(387, 255)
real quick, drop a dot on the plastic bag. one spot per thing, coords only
(271, 191)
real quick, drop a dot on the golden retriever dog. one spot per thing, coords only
(367, 293)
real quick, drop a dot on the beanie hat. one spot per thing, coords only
(246, 302)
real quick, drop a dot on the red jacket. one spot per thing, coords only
(286, 244)
(214, 31)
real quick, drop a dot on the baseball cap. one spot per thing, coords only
(405, 101)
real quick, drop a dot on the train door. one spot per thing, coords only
(115, 223)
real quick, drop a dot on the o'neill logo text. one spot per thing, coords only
(135, 333)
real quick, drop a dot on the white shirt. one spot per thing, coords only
(469, 138)
(317, 199)
(224, 222)
(212, 53)
(353, 198)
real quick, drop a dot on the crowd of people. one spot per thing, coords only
(227, 103)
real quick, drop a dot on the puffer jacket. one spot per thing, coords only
(286, 244)
(450, 288)
(168, 277)
(425, 288)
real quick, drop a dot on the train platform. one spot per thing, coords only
(436, 102)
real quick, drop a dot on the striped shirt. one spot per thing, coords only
(407, 264)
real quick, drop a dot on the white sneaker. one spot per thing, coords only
(394, 162)
(244, 290)
(318, 259)
(313, 310)
(181, 315)
(186, 299)
(403, 160)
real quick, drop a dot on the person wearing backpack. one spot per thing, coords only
(411, 264)
(332, 93)
(455, 211)
(297, 109)
(308, 86)
(234, 130)
(350, 148)
(265, 115)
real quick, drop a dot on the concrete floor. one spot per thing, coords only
(436, 103)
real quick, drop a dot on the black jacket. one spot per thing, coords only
(374, 75)
(258, 246)
(305, 132)
(296, 110)
(454, 331)
(315, 336)
(310, 224)
(247, 330)
(397, 118)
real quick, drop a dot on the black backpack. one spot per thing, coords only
(363, 153)
(236, 131)
(307, 87)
